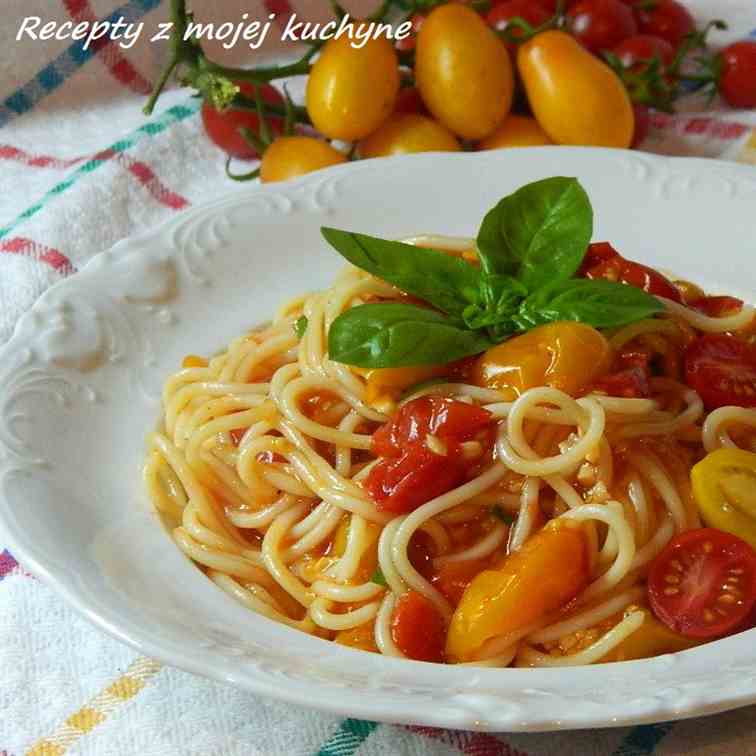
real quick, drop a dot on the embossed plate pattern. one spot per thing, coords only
(79, 386)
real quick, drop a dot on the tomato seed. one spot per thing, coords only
(708, 547)
(708, 615)
(736, 571)
(727, 598)
(671, 591)
(671, 579)
(676, 564)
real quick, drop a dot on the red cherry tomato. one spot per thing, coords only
(717, 307)
(642, 124)
(737, 80)
(444, 418)
(627, 384)
(722, 369)
(410, 101)
(636, 52)
(603, 261)
(418, 628)
(703, 584)
(601, 24)
(222, 126)
(500, 16)
(667, 19)
(408, 43)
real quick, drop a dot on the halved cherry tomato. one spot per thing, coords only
(500, 16)
(567, 356)
(292, 156)
(576, 97)
(717, 307)
(544, 575)
(737, 78)
(724, 486)
(438, 416)
(667, 19)
(627, 384)
(722, 369)
(516, 131)
(410, 473)
(404, 133)
(603, 261)
(389, 383)
(361, 637)
(601, 24)
(417, 628)
(223, 126)
(703, 585)
(638, 51)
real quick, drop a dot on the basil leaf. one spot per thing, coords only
(505, 517)
(378, 577)
(539, 234)
(399, 335)
(300, 326)
(446, 282)
(602, 304)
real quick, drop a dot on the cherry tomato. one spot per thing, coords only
(516, 131)
(410, 101)
(575, 97)
(351, 91)
(737, 80)
(642, 124)
(408, 43)
(404, 133)
(717, 307)
(601, 24)
(418, 629)
(567, 356)
(550, 569)
(501, 14)
(222, 126)
(724, 482)
(410, 473)
(463, 71)
(627, 384)
(453, 578)
(667, 19)
(722, 369)
(603, 261)
(361, 637)
(636, 52)
(289, 157)
(703, 584)
(652, 638)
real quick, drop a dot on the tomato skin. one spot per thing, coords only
(516, 131)
(454, 48)
(627, 384)
(501, 14)
(686, 583)
(737, 81)
(408, 44)
(575, 97)
(603, 261)
(667, 19)
(222, 126)
(404, 133)
(642, 124)
(717, 307)
(601, 24)
(722, 369)
(723, 484)
(444, 418)
(351, 91)
(638, 51)
(418, 628)
(289, 157)
(410, 101)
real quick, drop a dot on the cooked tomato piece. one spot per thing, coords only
(418, 628)
(628, 384)
(452, 578)
(429, 415)
(717, 307)
(722, 369)
(703, 585)
(237, 434)
(402, 484)
(603, 261)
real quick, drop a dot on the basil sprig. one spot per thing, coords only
(530, 246)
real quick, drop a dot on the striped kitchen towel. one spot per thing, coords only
(81, 168)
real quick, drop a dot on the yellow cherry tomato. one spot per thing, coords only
(463, 71)
(351, 91)
(576, 97)
(194, 361)
(516, 131)
(724, 486)
(564, 355)
(652, 638)
(389, 383)
(408, 132)
(361, 637)
(292, 156)
(549, 570)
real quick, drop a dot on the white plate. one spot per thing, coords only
(79, 385)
